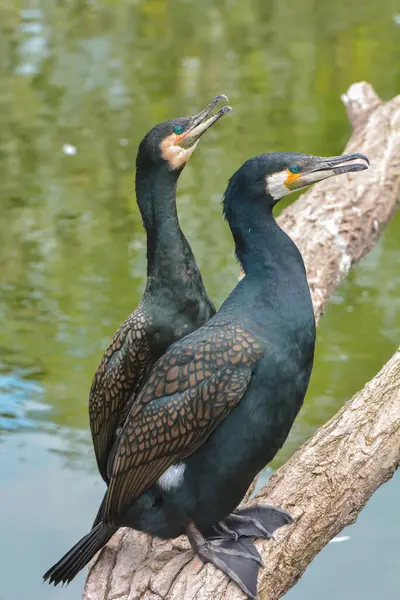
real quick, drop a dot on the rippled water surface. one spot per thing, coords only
(80, 84)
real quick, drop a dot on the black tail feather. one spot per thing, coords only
(78, 557)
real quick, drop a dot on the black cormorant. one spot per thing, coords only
(219, 404)
(175, 302)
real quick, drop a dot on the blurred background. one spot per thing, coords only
(80, 84)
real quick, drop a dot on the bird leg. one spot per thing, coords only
(239, 560)
(222, 530)
(256, 521)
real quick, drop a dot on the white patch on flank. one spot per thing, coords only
(172, 478)
(276, 185)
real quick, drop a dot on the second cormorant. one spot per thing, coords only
(175, 301)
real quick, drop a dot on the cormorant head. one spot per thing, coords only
(172, 142)
(280, 173)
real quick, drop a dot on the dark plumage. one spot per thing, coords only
(220, 403)
(175, 302)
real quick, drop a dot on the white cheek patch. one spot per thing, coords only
(276, 185)
(172, 478)
(175, 156)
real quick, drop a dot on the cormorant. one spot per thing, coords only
(219, 404)
(175, 302)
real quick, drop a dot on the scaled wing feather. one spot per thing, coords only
(190, 391)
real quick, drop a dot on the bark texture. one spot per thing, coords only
(330, 478)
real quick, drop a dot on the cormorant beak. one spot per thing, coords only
(201, 123)
(319, 168)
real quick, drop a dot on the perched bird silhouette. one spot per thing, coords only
(175, 302)
(219, 404)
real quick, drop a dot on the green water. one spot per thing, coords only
(80, 84)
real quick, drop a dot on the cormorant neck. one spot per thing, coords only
(260, 244)
(275, 277)
(156, 198)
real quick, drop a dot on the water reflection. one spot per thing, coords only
(18, 408)
(80, 85)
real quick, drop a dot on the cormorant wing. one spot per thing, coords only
(191, 389)
(115, 382)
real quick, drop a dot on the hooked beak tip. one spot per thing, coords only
(358, 155)
(226, 109)
(202, 122)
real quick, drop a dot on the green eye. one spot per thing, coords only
(295, 169)
(178, 129)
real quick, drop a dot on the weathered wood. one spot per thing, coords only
(328, 481)
(338, 221)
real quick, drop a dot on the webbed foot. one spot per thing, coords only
(239, 560)
(257, 521)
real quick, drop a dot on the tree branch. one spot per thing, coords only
(330, 478)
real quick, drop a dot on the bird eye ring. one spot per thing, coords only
(295, 169)
(178, 129)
